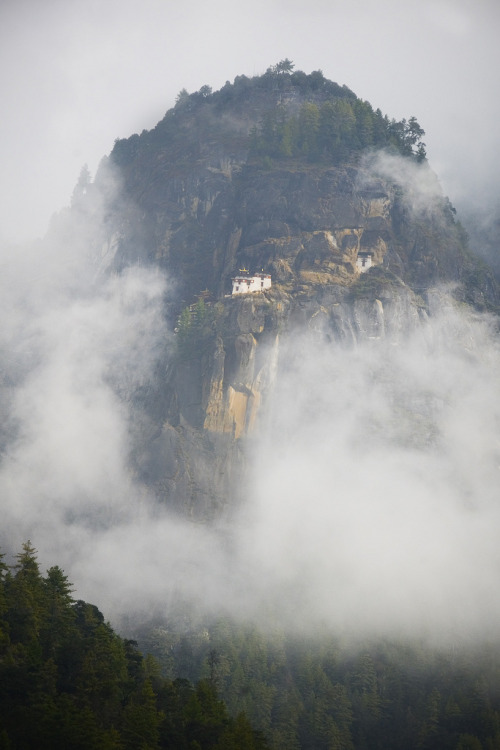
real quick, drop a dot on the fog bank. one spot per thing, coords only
(375, 506)
(372, 501)
(372, 489)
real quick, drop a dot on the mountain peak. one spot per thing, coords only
(291, 173)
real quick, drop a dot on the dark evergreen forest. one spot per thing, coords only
(323, 692)
(68, 681)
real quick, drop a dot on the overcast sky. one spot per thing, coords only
(76, 75)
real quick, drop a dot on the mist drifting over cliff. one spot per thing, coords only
(371, 494)
(372, 499)
(375, 504)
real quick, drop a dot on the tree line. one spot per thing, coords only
(68, 681)
(332, 124)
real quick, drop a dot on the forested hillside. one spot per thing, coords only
(322, 692)
(68, 681)
(281, 114)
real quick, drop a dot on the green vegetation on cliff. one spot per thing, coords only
(333, 131)
(196, 330)
(283, 114)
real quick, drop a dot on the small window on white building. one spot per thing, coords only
(364, 261)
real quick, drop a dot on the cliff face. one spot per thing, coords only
(194, 451)
(306, 225)
(201, 204)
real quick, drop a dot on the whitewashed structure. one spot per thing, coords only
(364, 261)
(243, 284)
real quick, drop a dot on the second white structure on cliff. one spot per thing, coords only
(245, 283)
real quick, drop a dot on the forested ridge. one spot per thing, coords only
(68, 681)
(282, 114)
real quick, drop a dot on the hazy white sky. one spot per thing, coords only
(76, 75)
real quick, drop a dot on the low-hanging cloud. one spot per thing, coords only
(375, 507)
(420, 187)
(372, 503)
(75, 346)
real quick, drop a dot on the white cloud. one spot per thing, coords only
(375, 503)
(421, 189)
